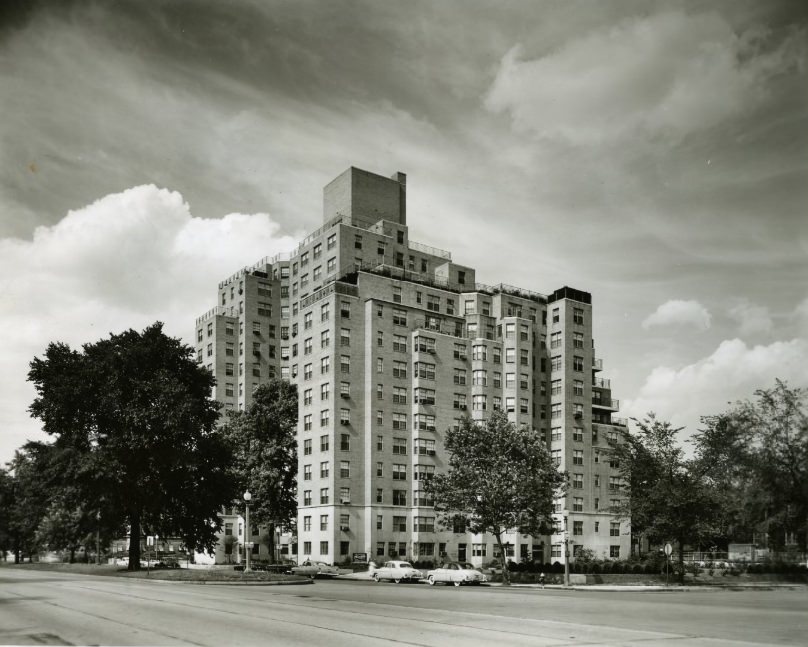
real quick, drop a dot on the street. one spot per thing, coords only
(57, 608)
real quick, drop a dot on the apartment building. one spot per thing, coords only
(391, 343)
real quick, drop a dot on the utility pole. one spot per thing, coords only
(98, 538)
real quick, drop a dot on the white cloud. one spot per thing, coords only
(678, 312)
(752, 319)
(667, 74)
(124, 261)
(732, 372)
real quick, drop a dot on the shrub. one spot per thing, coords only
(608, 567)
(557, 567)
(638, 569)
(595, 568)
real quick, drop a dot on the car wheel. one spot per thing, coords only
(311, 577)
(430, 580)
(376, 577)
(397, 580)
(457, 583)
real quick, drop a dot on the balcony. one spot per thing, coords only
(606, 403)
(600, 383)
(597, 364)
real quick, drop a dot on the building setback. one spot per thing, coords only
(390, 343)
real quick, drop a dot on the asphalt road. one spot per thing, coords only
(56, 608)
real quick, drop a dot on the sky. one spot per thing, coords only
(654, 154)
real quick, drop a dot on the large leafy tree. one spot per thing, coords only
(264, 447)
(667, 496)
(758, 451)
(134, 426)
(500, 478)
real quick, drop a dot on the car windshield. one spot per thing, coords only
(469, 567)
(404, 565)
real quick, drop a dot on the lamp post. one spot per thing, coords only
(98, 538)
(247, 531)
(566, 553)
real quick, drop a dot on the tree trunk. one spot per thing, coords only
(506, 576)
(271, 543)
(134, 542)
(72, 555)
(681, 557)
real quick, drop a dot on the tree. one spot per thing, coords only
(667, 496)
(759, 452)
(264, 445)
(500, 478)
(134, 425)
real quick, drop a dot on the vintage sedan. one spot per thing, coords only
(313, 569)
(397, 571)
(456, 573)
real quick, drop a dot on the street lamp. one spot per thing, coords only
(247, 533)
(98, 538)
(566, 553)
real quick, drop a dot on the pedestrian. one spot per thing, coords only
(541, 579)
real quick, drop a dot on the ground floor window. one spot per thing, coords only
(344, 547)
(614, 552)
(555, 550)
(307, 548)
(426, 549)
(324, 548)
(478, 550)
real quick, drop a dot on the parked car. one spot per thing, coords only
(456, 573)
(397, 571)
(313, 569)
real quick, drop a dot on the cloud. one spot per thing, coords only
(668, 75)
(752, 319)
(732, 372)
(677, 312)
(801, 315)
(125, 261)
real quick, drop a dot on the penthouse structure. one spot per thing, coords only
(391, 343)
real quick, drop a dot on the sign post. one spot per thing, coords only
(668, 551)
(149, 542)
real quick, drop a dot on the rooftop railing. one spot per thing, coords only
(433, 251)
(213, 312)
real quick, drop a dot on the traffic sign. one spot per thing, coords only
(668, 549)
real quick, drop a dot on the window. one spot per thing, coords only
(497, 355)
(459, 376)
(478, 550)
(578, 387)
(306, 523)
(424, 422)
(510, 404)
(421, 498)
(380, 417)
(578, 504)
(578, 340)
(324, 497)
(577, 363)
(324, 443)
(307, 447)
(510, 355)
(578, 457)
(307, 346)
(556, 456)
(478, 402)
(379, 495)
(424, 370)
(380, 365)
(577, 409)
(399, 524)
(578, 316)
(614, 482)
(400, 446)
(380, 443)
(424, 447)
(331, 241)
(424, 524)
(523, 405)
(555, 433)
(433, 303)
(345, 443)
(228, 389)
(380, 392)
(399, 317)
(524, 357)
(614, 529)
(400, 369)
(578, 528)
(399, 343)
(325, 417)
(555, 363)
(229, 348)
(556, 315)
(578, 435)
(555, 410)
(400, 392)
(306, 497)
(307, 422)
(479, 378)
(399, 497)
(325, 469)
(460, 351)
(614, 552)
(399, 421)
(423, 472)
(345, 495)
(578, 481)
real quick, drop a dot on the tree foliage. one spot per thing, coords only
(134, 429)
(500, 478)
(667, 496)
(758, 453)
(264, 445)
